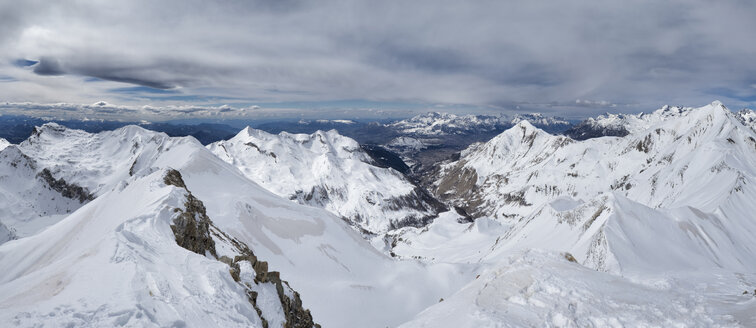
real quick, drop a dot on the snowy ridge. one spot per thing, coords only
(317, 253)
(536, 288)
(585, 197)
(6, 234)
(4, 143)
(409, 143)
(439, 124)
(122, 246)
(539, 120)
(134, 228)
(620, 125)
(658, 224)
(747, 116)
(57, 170)
(328, 170)
(28, 203)
(98, 161)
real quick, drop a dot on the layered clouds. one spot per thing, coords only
(570, 58)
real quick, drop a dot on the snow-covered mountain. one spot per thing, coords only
(427, 139)
(747, 116)
(328, 170)
(4, 143)
(442, 124)
(118, 262)
(30, 197)
(134, 228)
(654, 228)
(689, 175)
(620, 125)
(167, 241)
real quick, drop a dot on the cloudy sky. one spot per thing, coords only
(143, 58)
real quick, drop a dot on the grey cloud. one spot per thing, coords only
(535, 55)
(594, 103)
(48, 66)
(113, 111)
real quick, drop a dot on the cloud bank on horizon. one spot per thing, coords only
(566, 58)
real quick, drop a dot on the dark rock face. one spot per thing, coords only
(384, 158)
(173, 178)
(418, 199)
(68, 190)
(585, 130)
(194, 231)
(296, 315)
(192, 226)
(459, 188)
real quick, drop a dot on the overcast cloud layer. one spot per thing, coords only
(569, 58)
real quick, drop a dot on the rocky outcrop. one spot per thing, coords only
(458, 187)
(587, 130)
(195, 231)
(68, 190)
(295, 314)
(192, 225)
(420, 200)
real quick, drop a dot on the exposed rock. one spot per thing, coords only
(420, 200)
(192, 226)
(68, 190)
(569, 257)
(585, 130)
(195, 231)
(384, 158)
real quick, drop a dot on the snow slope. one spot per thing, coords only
(659, 224)
(4, 143)
(29, 203)
(620, 125)
(114, 263)
(651, 229)
(328, 170)
(57, 170)
(543, 289)
(687, 180)
(747, 116)
(341, 278)
(534, 166)
(97, 161)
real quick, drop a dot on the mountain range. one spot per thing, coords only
(443, 221)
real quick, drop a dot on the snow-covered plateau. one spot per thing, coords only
(653, 226)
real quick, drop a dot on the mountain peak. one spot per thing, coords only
(49, 127)
(249, 132)
(4, 143)
(524, 128)
(525, 124)
(717, 103)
